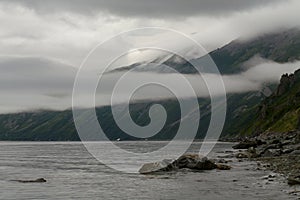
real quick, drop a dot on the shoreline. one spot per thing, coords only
(280, 153)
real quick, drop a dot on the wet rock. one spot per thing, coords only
(245, 145)
(221, 161)
(273, 146)
(223, 167)
(294, 180)
(287, 142)
(275, 141)
(242, 155)
(252, 152)
(188, 161)
(287, 151)
(193, 161)
(296, 152)
(39, 180)
(204, 165)
(162, 166)
(272, 153)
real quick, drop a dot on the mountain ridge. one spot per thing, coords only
(59, 125)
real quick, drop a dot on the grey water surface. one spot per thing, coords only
(72, 173)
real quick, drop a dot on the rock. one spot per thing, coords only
(204, 164)
(287, 142)
(163, 166)
(245, 145)
(252, 152)
(221, 161)
(296, 152)
(242, 155)
(193, 161)
(294, 180)
(275, 141)
(39, 180)
(187, 161)
(287, 151)
(273, 146)
(223, 167)
(272, 153)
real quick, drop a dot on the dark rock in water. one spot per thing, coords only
(193, 161)
(223, 167)
(203, 164)
(39, 180)
(221, 161)
(294, 180)
(162, 166)
(188, 161)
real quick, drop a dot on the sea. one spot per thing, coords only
(73, 173)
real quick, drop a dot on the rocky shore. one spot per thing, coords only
(280, 152)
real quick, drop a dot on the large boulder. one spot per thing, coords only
(194, 161)
(162, 166)
(187, 161)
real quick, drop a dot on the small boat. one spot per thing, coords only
(119, 139)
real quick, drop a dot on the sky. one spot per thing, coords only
(43, 43)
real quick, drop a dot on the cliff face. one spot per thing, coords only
(281, 111)
(287, 82)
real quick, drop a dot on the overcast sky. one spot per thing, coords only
(44, 42)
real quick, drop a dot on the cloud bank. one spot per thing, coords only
(44, 42)
(29, 83)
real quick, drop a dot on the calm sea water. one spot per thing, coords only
(72, 173)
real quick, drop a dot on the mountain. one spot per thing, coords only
(244, 111)
(280, 47)
(279, 112)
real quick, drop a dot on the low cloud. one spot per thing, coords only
(40, 83)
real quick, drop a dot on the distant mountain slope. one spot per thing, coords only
(59, 125)
(279, 112)
(242, 115)
(280, 47)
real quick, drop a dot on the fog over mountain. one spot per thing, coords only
(44, 43)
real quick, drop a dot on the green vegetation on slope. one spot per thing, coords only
(281, 111)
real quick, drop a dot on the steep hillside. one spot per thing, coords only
(279, 112)
(280, 47)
